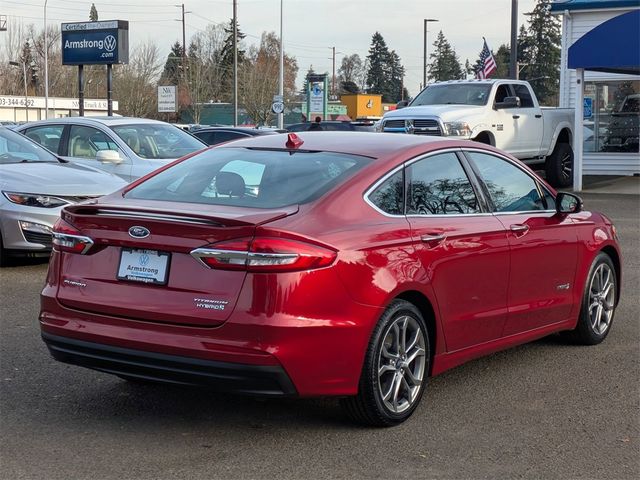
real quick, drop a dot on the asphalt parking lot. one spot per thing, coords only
(543, 410)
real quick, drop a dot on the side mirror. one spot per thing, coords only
(109, 156)
(568, 203)
(402, 104)
(509, 102)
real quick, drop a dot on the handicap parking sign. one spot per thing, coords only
(587, 107)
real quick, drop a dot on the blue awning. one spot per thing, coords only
(613, 46)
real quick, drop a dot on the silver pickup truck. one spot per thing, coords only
(503, 113)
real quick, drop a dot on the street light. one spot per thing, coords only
(46, 64)
(26, 93)
(424, 63)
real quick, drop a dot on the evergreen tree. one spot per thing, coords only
(226, 57)
(394, 88)
(378, 71)
(172, 67)
(444, 63)
(93, 13)
(541, 49)
(305, 86)
(503, 60)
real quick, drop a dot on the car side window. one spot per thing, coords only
(524, 94)
(438, 185)
(48, 136)
(85, 142)
(206, 137)
(510, 188)
(223, 136)
(389, 195)
(502, 92)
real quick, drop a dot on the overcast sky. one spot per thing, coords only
(311, 27)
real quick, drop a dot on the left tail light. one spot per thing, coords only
(67, 238)
(265, 254)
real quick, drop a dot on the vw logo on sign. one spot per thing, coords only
(144, 259)
(139, 232)
(110, 43)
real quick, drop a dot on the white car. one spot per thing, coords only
(502, 113)
(127, 147)
(34, 186)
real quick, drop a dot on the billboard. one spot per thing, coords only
(95, 43)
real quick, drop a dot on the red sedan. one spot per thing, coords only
(342, 264)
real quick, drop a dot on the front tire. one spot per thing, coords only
(395, 369)
(598, 303)
(559, 166)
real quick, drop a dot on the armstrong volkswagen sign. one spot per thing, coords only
(90, 43)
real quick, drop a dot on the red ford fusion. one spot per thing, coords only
(341, 264)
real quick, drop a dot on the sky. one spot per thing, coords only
(311, 27)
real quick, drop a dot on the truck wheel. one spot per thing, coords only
(559, 166)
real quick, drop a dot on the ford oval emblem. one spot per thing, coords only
(139, 232)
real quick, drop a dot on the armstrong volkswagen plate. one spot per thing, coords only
(147, 266)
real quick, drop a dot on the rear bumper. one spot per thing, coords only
(174, 369)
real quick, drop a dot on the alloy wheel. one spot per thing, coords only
(601, 298)
(401, 364)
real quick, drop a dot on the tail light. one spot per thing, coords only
(67, 238)
(265, 254)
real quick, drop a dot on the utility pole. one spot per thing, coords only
(333, 78)
(235, 63)
(281, 79)
(184, 44)
(513, 59)
(46, 64)
(424, 59)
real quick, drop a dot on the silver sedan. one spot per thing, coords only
(127, 147)
(34, 186)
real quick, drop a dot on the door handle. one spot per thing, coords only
(516, 117)
(539, 115)
(519, 228)
(433, 240)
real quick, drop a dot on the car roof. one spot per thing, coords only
(374, 145)
(249, 130)
(103, 120)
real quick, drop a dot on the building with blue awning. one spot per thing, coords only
(600, 79)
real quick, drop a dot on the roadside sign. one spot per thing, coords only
(587, 107)
(278, 98)
(277, 107)
(95, 43)
(316, 97)
(167, 99)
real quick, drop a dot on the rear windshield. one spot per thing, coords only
(250, 178)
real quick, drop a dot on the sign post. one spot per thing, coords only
(95, 43)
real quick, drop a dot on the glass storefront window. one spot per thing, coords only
(614, 125)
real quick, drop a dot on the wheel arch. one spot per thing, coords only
(485, 135)
(424, 305)
(612, 253)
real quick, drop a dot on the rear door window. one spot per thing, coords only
(48, 136)
(389, 195)
(250, 178)
(524, 94)
(438, 185)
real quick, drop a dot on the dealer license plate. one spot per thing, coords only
(146, 266)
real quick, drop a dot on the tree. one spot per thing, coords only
(172, 67)
(259, 78)
(394, 90)
(444, 63)
(93, 13)
(350, 69)
(305, 86)
(378, 71)
(226, 60)
(541, 46)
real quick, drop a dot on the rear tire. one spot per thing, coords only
(598, 304)
(559, 166)
(395, 369)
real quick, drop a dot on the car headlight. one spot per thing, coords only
(35, 200)
(457, 129)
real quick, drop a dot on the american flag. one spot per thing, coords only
(488, 63)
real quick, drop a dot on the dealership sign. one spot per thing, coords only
(95, 43)
(167, 99)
